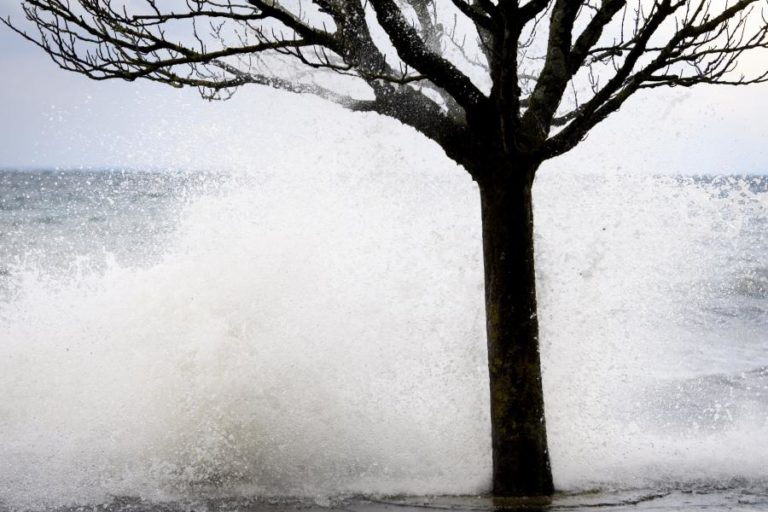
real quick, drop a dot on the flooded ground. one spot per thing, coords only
(710, 500)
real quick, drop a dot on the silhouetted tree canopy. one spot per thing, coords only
(547, 71)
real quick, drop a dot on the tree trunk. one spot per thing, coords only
(520, 455)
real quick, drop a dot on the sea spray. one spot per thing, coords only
(301, 347)
(650, 343)
(322, 334)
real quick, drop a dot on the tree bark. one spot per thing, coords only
(520, 455)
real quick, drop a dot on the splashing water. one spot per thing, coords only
(654, 328)
(283, 335)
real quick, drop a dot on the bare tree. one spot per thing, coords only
(500, 85)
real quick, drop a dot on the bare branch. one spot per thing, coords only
(412, 50)
(703, 49)
(556, 68)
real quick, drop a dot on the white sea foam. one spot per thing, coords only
(643, 323)
(279, 348)
(321, 334)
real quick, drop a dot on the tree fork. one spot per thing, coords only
(521, 464)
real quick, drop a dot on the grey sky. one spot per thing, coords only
(51, 118)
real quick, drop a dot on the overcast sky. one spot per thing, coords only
(52, 118)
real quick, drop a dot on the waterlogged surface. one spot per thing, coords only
(712, 500)
(167, 337)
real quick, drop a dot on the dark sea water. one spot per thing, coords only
(217, 342)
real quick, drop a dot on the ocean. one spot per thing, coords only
(172, 337)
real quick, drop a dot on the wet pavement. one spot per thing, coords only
(638, 501)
